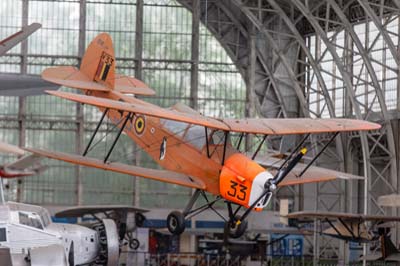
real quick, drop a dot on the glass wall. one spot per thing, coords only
(382, 62)
(55, 124)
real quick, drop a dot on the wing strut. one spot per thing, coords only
(283, 171)
(207, 144)
(95, 131)
(348, 228)
(319, 153)
(259, 147)
(128, 117)
(225, 143)
(240, 141)
(334, 227)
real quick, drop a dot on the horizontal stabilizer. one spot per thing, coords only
(72, 77)
(159, 175)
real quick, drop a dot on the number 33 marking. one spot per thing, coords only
(241, 194)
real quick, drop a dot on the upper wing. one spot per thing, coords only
(254, 126)
(290, 126)
(147, 109)
(309, 216)
(18, 37)
(159, 175)
(93, 209)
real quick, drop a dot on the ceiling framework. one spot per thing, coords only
(299, 58)
(295, 41)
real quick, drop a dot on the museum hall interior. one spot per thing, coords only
(199, 132)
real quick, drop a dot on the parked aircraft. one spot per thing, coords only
(29, 237)
(127, 219)
(196, 151)
(27, 165)
(21, 84)
(353, 227)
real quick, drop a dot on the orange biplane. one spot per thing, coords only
(195, 151)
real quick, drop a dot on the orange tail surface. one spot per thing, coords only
(98, 63)
(97, 71)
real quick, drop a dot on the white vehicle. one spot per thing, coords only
(29, 237)
(32, 239)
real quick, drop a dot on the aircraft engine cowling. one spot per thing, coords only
(242, 181)
(108, 242)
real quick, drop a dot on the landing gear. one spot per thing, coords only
(134, 244)
(176, 222)
(234, 229)
(139, 219)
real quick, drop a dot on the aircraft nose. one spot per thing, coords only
(257, 189)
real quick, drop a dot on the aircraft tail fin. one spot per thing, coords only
(97, 71)
(98, 63)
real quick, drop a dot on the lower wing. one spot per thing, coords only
(159, 175)
(312, 175)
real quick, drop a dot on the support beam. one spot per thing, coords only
(138, 75)
(80, 131)
(22, 99)
(194, 71)
(139, 40)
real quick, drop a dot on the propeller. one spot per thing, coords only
(271, 184)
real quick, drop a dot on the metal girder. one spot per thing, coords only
(370, 12)
(278, 52)
(309, 56)
(387, 128)
(345, 75)
(226, 26)
(336, 187)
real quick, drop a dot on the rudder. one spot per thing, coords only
(97, 71)
(98, 62)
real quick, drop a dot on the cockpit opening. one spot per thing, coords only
(30, 219)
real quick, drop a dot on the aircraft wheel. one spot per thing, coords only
(176, 223)
(134, 244)
(139, 219)
(234, 230)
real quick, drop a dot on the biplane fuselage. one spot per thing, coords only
(193, 149)
(185, 149)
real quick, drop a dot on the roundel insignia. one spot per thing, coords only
(139, 125)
